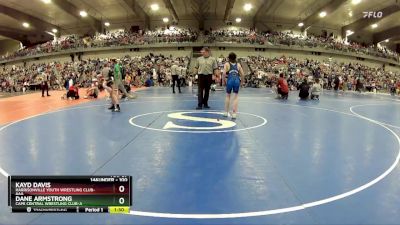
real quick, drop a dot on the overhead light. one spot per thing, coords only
(83, 13)
(154, 7)
(301, 24)
(374, 26)
(238, 20)
(247, 7)
(387, 40)
(355, 2)
(322, 14)
(54, 30)
(46, 1)
(107, 24)
(351, 14)
(349, 32)
(25, 24)
(165, 20)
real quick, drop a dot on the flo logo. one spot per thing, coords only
(373, 14)
(195, 121)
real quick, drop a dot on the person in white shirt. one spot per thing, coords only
(44, 84)
(25, 86)
(316, 89)
(70, 82)
(260, 74)
(154, 74)
(175, 72)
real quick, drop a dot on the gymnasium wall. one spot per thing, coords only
(183, 23)
(361, 37)
(317, 30)
(8, 46)
(220, 24)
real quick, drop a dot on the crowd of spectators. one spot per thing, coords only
(23, 78)
(140, 71)
(153, 70)
(109, 39)
(235, 36)
(174, 35)
(333, 75)
(291, 39)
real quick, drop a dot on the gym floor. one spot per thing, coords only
(333, 161)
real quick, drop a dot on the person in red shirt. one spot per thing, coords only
(283, 87)
(73, 92)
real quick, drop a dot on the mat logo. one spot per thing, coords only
(185, 121)
(214, 123)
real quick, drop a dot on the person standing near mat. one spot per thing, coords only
(106, 78)
(120, 82)
(206, 66)
(44, 84)
(282, 87)
(175, 71)
(233, 71)
(115, 86)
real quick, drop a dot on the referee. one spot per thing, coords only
(175, 76)
(44, 84)
(205, 67)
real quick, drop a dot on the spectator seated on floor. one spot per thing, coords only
(73, 92)
(282, 87)
(393, 90)
(92, 92)
(316, 89)
(304, 90)
(149, 82)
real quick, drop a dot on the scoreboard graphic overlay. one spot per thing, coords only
(70, 194)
